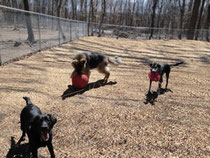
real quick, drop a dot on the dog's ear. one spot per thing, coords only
(53, 120)
(74, 62)
(158, 65)
(150, 64)
(83, 62)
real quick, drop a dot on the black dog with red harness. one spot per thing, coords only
(157, 71)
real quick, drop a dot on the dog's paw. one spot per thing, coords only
(148, 94)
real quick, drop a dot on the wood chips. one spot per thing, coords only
(112, 120)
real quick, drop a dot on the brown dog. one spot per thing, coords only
(85, 61)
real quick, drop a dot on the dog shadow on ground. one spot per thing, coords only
(17, 150)
(151, 97)
(71, 91)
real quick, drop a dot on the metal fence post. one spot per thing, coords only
(59, 32)
(76, 30)
(39, 30)
(70, 31)
(0, 60)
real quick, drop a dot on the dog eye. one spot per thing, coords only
(47, 119)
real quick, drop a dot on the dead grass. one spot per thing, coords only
(112, 120)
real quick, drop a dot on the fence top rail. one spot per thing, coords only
(35, 13)
(136, 27)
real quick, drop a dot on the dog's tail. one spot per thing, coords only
(115, 61)
(28, 101)
(176, 64)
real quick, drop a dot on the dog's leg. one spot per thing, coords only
(103, 68)
(150, 85)
(32, 149)
(167, 77)
(34, 152)
(159, 85)
(168, 70)
(22, 138)
(50, 148)
(107, 73)
(27, 152)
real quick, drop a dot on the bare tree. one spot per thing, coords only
(182, 10)
(190, 5)
(133, 15)
(170, 14)
(14, 5)
(103, 13)
(85, 7)
(73, 4)
(193, 19)
(160, 8)
(28, 22)
(89, 16)
(199, 20)
(153, 17)
(207, 24)
(81, 9)
(92, 15)
(59, 3)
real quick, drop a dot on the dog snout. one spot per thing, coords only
(153, 70)
(44, 127)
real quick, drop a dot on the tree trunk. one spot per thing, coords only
(133, 13)
(193, 20)
(28, 22)
(95, 9)
(73, 10)
(102, 17)
(182, 9)
(81, 9)
(190, 5)
(159, 14)
(86, 16)
(153, 18)
(59, 3)
(207, 24)
(92, 15)
(14, 5)
(89, 16)
(199, 20)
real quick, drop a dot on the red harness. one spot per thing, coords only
(154, 76)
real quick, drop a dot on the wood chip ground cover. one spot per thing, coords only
(112, 120)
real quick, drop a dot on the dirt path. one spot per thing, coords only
(112, 120)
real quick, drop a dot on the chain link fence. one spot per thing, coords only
(23, 32)
(144, 33)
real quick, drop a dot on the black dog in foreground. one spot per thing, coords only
(161, 69)
(38, 127)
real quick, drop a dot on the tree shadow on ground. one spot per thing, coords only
(17, 150)
(205, 59)
(72, 91)
(151, 97)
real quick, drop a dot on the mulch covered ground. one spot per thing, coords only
(113, 120)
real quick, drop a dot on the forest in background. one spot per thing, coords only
(172, 14)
